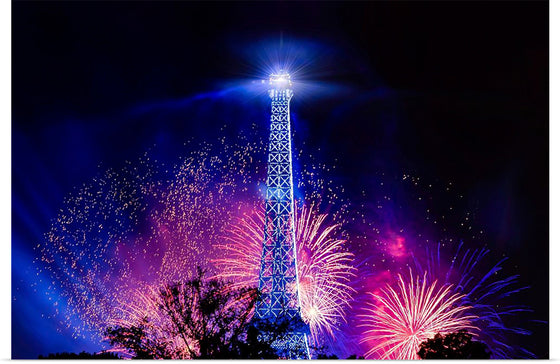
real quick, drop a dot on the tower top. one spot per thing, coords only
(280, 81)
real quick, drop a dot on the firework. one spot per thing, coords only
(399, 319)
(143, 224)
(407, 218)
(145, 310)
(149, 223)
(324, 266)
(484, 291)
(175, 319)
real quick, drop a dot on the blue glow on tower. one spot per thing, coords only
(278, 279)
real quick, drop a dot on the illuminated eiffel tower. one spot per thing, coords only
(278, 279)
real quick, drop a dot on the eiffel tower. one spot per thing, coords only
(278, 279)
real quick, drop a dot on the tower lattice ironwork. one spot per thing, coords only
(278, 278)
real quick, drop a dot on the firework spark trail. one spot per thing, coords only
(94, 219)
(398, 319)
(150, 224)
(484, 293)
(141, 224)
(409, 219)
(324, 266)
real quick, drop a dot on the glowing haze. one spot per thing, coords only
(151, 223)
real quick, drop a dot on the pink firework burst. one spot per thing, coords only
(175, 319)
(324, 266)
(399, 319)
(143, 308)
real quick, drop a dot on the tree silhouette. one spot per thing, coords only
(137, 341)
(204, 318)
(457, 345)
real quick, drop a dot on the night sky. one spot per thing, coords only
(449, 91)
